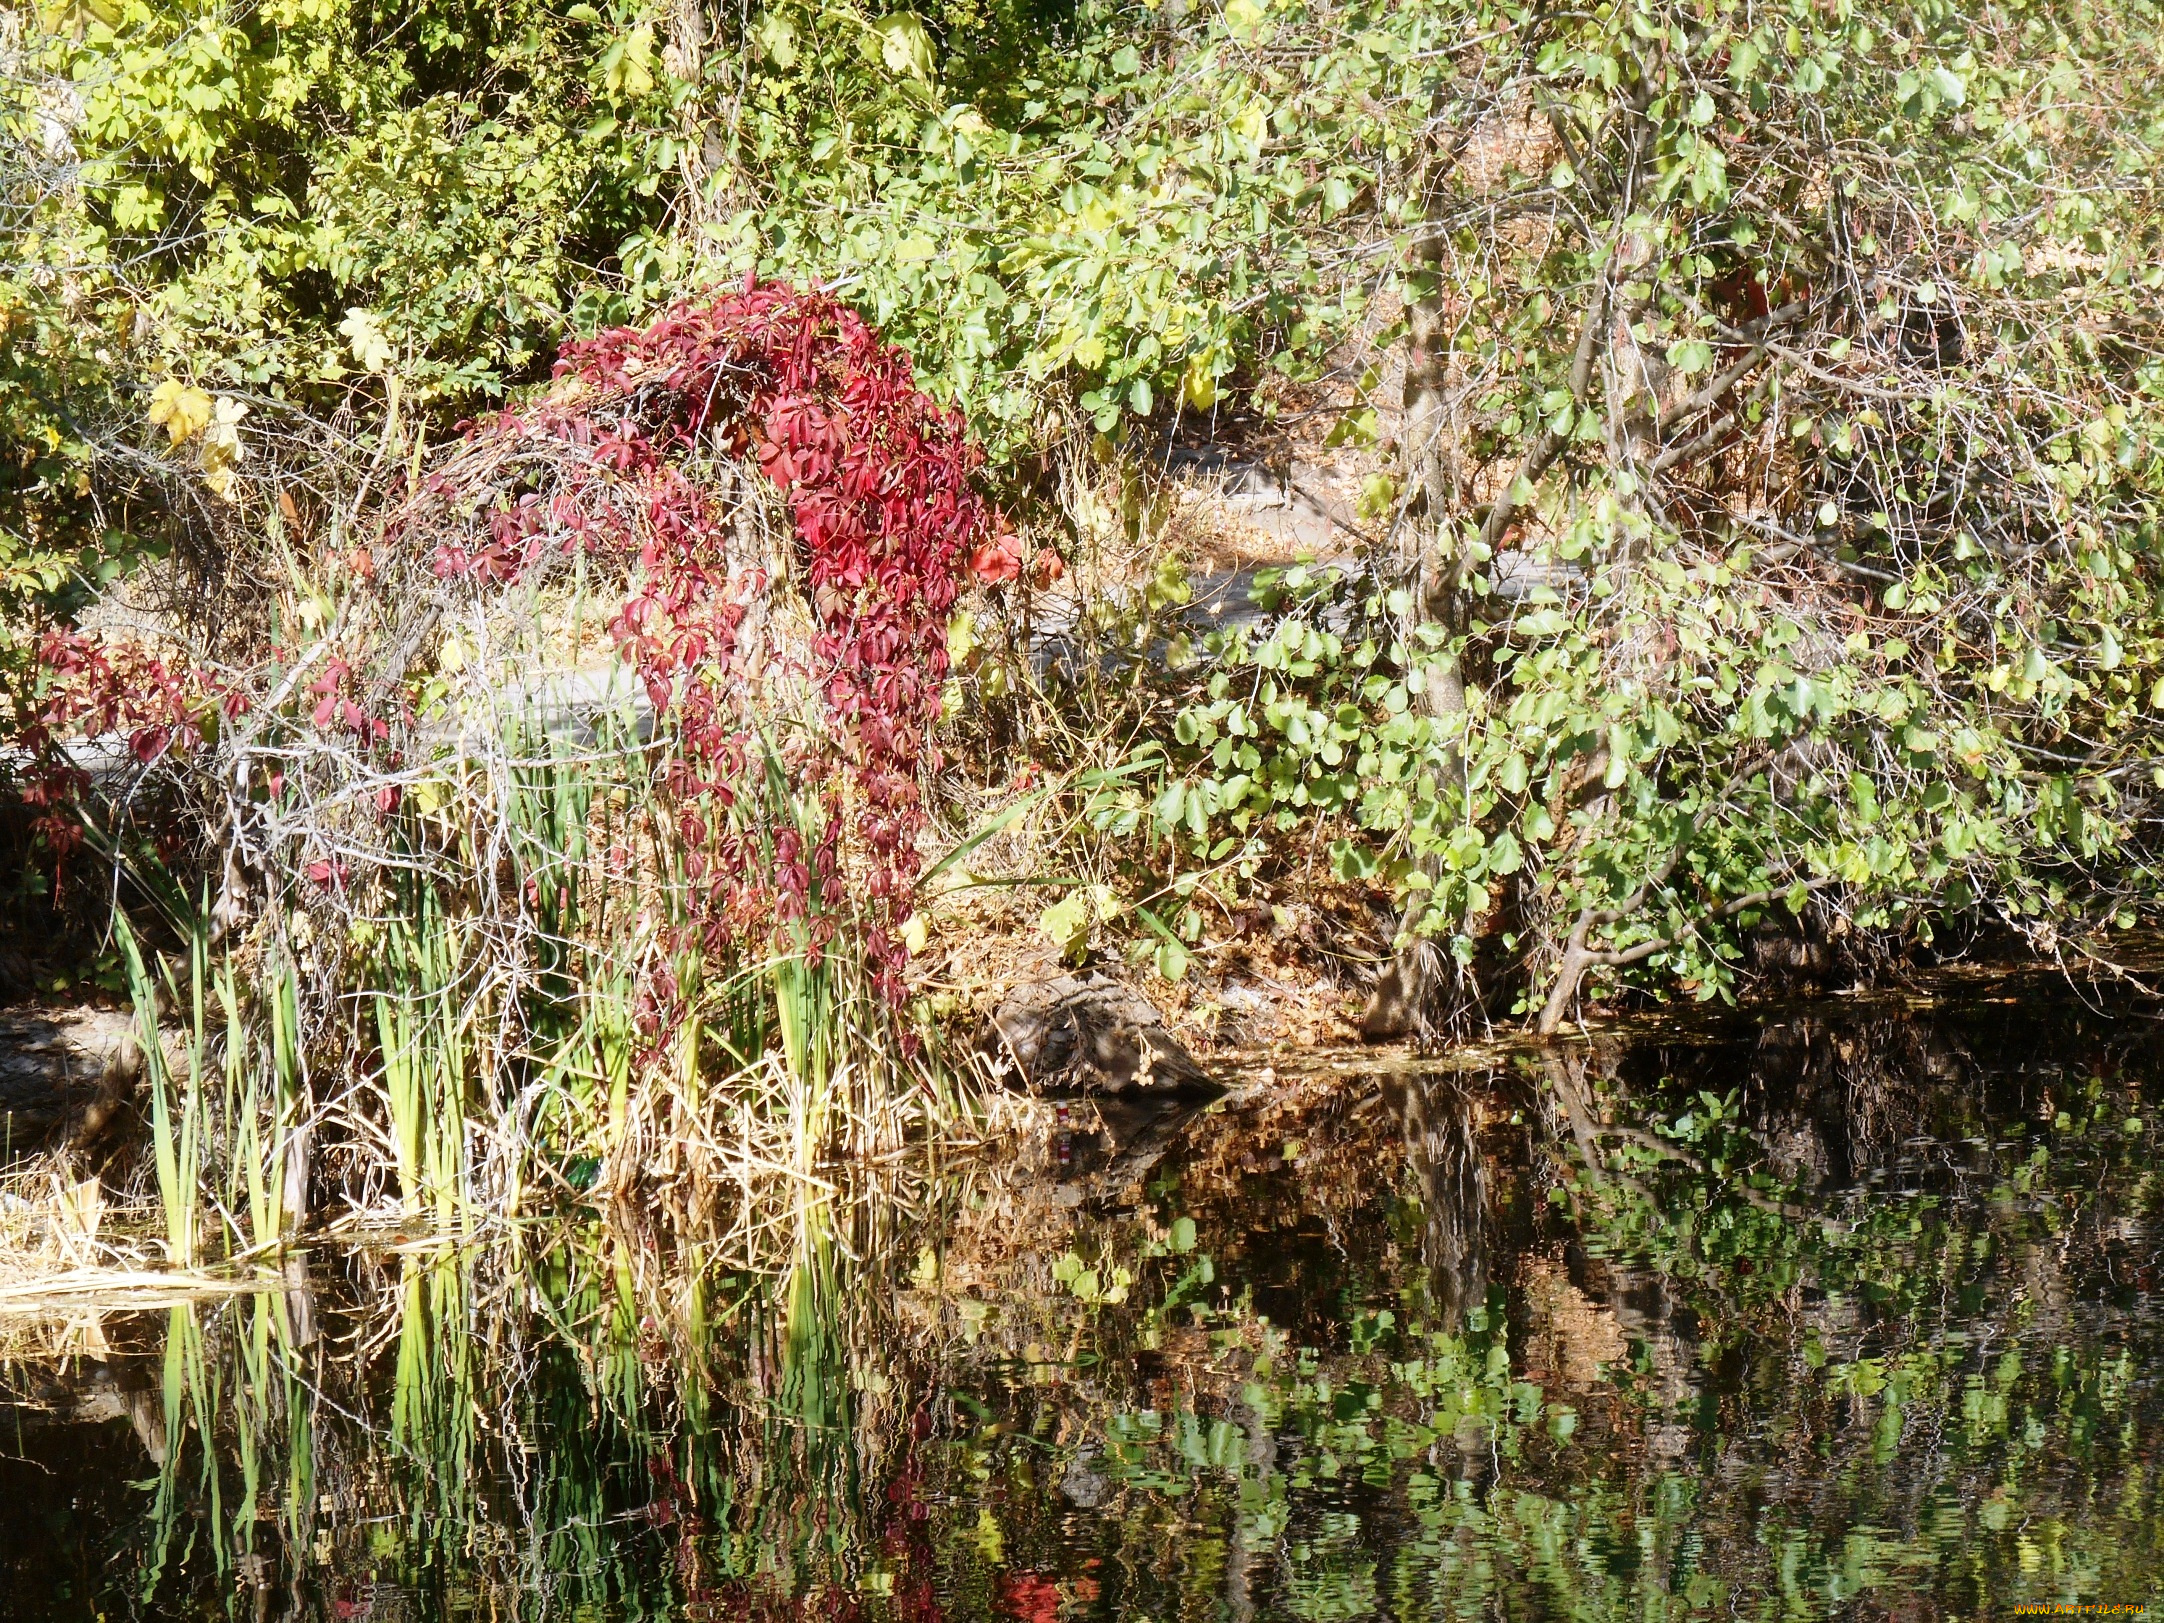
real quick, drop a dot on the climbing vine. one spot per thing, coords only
(639, 457)
(877, 479)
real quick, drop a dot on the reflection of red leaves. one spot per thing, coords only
(1029, 1597)
(998, 560)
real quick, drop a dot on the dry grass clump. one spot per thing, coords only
(67, 1255)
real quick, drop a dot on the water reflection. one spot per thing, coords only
(1844, 1315)
(1443, 1153)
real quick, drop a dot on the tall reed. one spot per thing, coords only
(480, 1427)
(515, 1006)
(176, 1118)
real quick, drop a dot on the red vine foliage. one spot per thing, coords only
(87, 689)
(617, 461)
(90, 688)
(878, 479)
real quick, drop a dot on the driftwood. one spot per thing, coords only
(66, 1072)
(1086, 1035)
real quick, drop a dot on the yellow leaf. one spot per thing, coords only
(630, 70)
(181, 409)
(1378, 495)
(1198, 387)
(961, 638)
(371, 348)
(1066, 924)
(222, 450)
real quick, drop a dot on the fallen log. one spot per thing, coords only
(64, 1072)
(1086, 1035)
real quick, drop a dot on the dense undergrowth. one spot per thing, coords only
(638, 936)
(1755, 412)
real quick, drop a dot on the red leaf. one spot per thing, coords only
(998, 560)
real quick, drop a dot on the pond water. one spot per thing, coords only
(1847, 1312)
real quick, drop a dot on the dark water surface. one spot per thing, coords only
(1847, 1313)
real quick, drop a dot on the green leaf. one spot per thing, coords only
(1171, 955)
(775, 37)
(905, 45)
(627, 68)
(1690, 356)
(1066, 924)
(1170, 960)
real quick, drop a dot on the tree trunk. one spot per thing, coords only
(1412, 997)
(1422, 993)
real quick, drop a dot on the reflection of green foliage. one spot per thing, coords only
(1916, 1392)
(1572, 1525)
(1692, 1196)
(1873, 1404)
(459, 1465)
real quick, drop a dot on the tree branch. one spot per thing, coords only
(1543, 452)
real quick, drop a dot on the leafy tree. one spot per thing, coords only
(1781, 502)
(296, 193)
